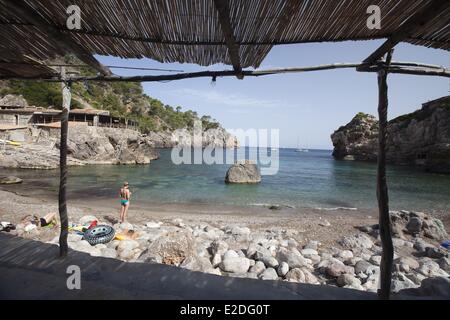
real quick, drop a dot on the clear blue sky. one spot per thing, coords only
(306, 106)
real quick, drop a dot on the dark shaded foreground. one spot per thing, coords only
(31, 270)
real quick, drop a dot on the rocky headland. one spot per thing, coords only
(421, 138)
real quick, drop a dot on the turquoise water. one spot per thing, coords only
(311, 179)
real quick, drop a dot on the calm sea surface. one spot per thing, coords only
(312, 179)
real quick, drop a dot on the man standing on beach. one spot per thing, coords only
(125, 196)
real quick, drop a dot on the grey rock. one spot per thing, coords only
(348, 280)
(435, 253)
(430, 268)
(376, 260)
(336, 269)
(257, 251)
(296, 275)
(301, 275)
(307, 253)
(414, 225)
(409, 261)
(434, 228)
(194, 263)
(444, 263)
(269, 261)
(258, 268)
(283, 269)
(243, 173)
(219, 247)
(269, 274)
(240, 231)
(401, 282)
(230, 254)
(345, 255)
(292, 257)
(312, 245)
(216, 260)
(235, 264)
(359, 241)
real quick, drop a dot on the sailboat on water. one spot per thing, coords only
(299, 149)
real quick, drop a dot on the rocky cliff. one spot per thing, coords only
(39, 147)
(86, 145)
(421, 138)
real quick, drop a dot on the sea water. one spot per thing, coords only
(305, 179)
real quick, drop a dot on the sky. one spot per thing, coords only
(306, 107)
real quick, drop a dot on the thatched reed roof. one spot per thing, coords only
(236, 32)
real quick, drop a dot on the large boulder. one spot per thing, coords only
(245, 172)
(172, 248)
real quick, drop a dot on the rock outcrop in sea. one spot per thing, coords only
(421, 138)
(245, 172)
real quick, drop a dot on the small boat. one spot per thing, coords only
(300, 149)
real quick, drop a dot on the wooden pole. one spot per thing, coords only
(382, 189)
(223, 9)
(412, 68)
(62, 201)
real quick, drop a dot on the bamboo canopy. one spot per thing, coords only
(239, 33)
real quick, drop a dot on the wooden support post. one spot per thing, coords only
(62, 201)
(223, 9)
(382, 189)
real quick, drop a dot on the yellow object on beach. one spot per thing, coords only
(77, 228)
(13, 143)
(120, 237)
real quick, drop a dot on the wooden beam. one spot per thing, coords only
(407, 29)
(411, 68)
(62, 201)
(223, 9)
(387, 254)
(21, 9)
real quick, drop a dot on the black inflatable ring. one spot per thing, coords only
(99, 234)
